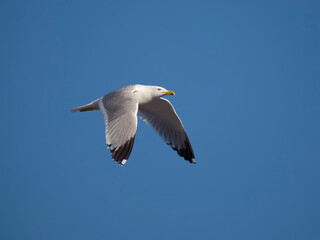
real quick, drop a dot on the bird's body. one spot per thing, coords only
(120, 109)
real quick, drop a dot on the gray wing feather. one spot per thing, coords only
(161, 115)
(119, 110)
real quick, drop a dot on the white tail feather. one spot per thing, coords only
(89, 107)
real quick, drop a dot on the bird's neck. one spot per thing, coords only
(142, 95)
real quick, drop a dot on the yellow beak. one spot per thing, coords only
(169, 93)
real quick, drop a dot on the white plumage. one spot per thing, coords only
(120, 109)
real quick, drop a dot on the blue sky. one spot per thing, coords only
(247, 81)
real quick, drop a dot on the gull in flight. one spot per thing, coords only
(120, 109)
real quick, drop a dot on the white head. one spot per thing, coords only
(160, 91)
(148, 93)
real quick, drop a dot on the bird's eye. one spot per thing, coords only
(159, 89)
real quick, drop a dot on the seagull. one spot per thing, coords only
(120, 109)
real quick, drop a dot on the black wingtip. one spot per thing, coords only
(186, 152)
(122, 153)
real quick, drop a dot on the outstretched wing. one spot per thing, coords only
(161, 115)
(119, 110)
